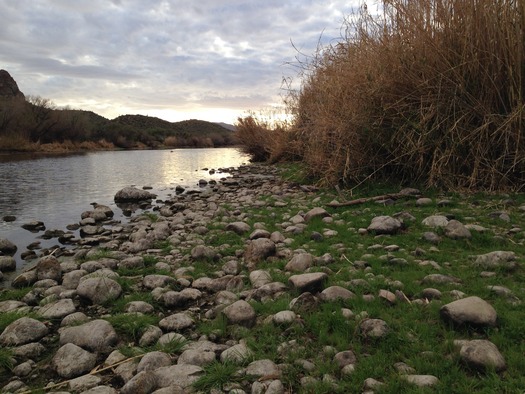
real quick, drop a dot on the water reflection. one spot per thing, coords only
(57, 189)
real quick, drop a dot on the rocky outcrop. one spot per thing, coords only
(9, 87)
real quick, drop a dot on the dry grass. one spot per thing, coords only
(429, 91)
(266, 138)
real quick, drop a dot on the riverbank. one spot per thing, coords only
(259, 284)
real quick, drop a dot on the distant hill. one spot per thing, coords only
(227, 126)
(192, 126)
(28, 122)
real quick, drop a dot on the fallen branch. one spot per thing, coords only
(394, 196)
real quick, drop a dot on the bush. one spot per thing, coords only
(264, 139)
(429, 91)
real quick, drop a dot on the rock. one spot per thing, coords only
(441, 279)
(7, 263)
(431, 237)
(175, 298)
(261, 368)
(483, 355)
(241, 313)
(139, 307)
(259, 278)
(334, 293)
(132, 194)
(99, 290)
(97, 336)
(48, 268)
(153, 281)
(176, 322)
(311, 282)
(384, 225)
(344, 358)
(71, 361)
(305, 302)
(404, 368)
(300, 262)
(423, 201)
(100, 390)
(196, 357)
(435, 221)
(25, 279)
(387, 296)
(143, 382)
(183, 375)
(456, 230)
(84, 383)
(315, 213)
(9, 306)
(373, 328)
(237, 353)
(34, 226)
(7, 247)
(469, 311)
(202, 252)
(421, 380)
(272, 289)
(22, 331)
(497, 259)
(239, 228)
(58, 309)
(153, 360)
(258, 250)
(260, 233)
(284, 317)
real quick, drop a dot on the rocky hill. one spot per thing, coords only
(38, 121)
(8, 86)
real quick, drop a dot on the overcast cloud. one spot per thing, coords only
(205, 59)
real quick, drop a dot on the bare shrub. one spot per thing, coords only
(266, 138)
(426, 90)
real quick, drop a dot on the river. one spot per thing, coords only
(57, 189)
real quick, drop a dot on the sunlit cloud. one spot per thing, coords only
(211, 60)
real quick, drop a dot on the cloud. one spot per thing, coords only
(167, 57)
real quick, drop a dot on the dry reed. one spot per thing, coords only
(428, 91)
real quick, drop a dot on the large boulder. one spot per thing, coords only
(131, 194)
(97, 336)
(472, 311)
(385, 225)
(22, 331)
(99, 290)
(7, 247)
(482, 355)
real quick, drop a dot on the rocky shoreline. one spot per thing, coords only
(199, 271)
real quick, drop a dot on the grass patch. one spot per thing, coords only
(216, 375)
(6, 359)
(132, 325)
(14, 294)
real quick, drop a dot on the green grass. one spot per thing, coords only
(132, 325)
(417, 335)
(7, 318)
(6, 358)
(216, 375)
(14, 294)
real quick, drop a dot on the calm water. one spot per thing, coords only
(56, 190)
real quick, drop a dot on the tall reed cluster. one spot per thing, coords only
(428, 91)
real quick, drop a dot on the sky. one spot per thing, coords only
(212, 60)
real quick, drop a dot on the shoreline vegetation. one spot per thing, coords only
(34, 124)
(415, 91)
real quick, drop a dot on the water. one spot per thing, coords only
(56, 190)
